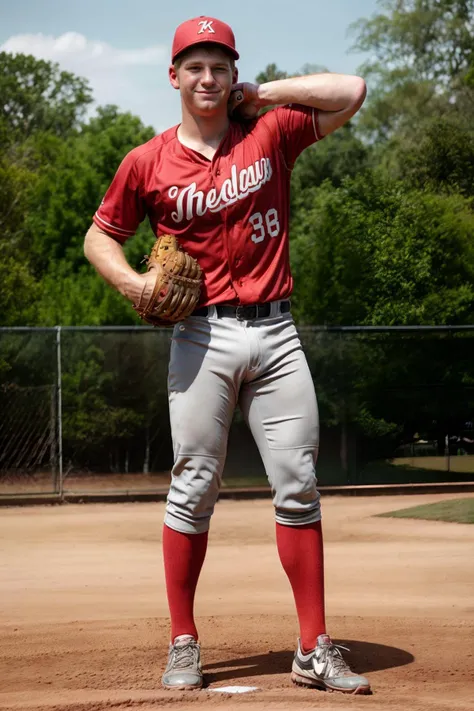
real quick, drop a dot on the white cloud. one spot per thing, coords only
(133, 79)
(73, 51)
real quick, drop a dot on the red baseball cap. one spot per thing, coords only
(203, 29)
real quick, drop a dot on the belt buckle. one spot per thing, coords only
(245, 312)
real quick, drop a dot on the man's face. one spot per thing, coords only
(204, 78)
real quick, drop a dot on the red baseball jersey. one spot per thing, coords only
(231, 213)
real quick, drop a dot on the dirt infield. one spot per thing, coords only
(83, 616)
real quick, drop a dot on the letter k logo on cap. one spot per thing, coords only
(206, 26)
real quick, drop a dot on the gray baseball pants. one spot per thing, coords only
(215, 365)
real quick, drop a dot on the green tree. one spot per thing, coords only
(80, 298)
(422, 62)
(74, 179)
(18, 287)
(94, 418)
(115, 400)
(108, 136)
(338, 156)
(40, 107)
(433, 37)
(421, 97)
(436, 154)
(270, 73)
(38, 96)
(378, 253)
(73, 175)
(53, 173)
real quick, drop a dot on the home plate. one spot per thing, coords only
(235, 689)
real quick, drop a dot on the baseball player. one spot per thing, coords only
(219, 183)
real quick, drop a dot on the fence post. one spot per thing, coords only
(343, 438)
(53, 447)
(60, 410)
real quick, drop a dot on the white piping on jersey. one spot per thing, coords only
(119, 229)
(237, 187)
(314, 126)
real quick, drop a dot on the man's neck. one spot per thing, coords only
(203, 134)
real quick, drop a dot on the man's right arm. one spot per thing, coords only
(108, 258)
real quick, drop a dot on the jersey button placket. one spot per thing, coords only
(215, 170)
(234, 265)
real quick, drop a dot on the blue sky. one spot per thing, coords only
(122, 47)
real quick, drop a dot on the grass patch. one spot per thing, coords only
(453, 511)
(385, 472)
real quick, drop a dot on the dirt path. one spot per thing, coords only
(83, 616)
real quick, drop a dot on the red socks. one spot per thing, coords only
(301, 553)
(183, 555)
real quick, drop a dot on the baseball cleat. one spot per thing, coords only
(325, 668)
(183, 670)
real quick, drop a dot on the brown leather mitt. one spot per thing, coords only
(177, 287)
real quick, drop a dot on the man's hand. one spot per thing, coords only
(244, 101)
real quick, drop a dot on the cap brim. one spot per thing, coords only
(233, 52)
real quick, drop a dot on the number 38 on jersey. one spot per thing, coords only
(263, 225)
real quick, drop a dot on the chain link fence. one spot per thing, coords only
(85, 409)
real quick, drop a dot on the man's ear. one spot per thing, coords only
(235, 76)
(173, 77)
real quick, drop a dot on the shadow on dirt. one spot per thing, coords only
(363, 657)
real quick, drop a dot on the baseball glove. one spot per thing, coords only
(178, 284)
